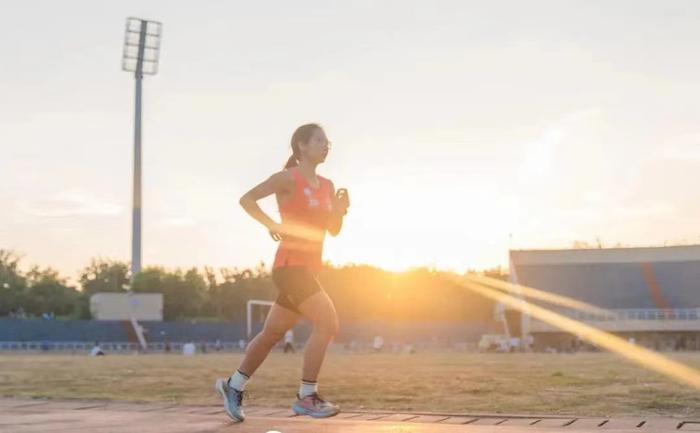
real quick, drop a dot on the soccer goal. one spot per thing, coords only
(251, 316)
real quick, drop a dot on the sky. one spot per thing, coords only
(462, 129)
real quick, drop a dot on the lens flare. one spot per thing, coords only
(639, 355)
(533, 293)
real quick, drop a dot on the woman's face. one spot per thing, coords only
(317, 147)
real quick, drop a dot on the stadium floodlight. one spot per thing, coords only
(141, 54)
(141, 46)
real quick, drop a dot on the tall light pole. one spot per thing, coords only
(141, 53)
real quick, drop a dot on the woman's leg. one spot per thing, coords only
(320, 311)
(279, 321)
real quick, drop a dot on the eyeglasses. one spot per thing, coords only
(325, 143)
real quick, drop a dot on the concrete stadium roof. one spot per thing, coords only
(685, 253)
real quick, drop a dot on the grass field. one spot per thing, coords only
(583, 384)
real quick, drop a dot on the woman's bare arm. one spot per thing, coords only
(278, 183)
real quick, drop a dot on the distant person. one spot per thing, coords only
(97, 350)
(309, 207)
(217, 345)
(529, 342)
(515, 344)
(378, 343)
(289, 341)
(189, 348)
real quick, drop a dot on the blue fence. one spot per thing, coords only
(86, 331)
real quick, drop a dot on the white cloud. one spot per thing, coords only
(70, 203)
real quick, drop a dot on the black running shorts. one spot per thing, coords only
(295, 284)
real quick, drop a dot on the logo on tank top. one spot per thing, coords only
(313, 202)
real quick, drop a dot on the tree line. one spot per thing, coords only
(360, 292)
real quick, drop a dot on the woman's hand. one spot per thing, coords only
(276, 232)
(342, 201)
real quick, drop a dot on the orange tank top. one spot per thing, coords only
(304, 221)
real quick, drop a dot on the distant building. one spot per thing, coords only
(124, 306)
(652, 294)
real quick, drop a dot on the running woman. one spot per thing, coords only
(309, 207)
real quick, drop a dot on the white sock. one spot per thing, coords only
(238, 380)
(307, 388)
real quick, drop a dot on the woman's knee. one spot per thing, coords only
(328, 325)
(319, 310)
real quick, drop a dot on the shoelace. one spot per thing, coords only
(316, 398)
(239, 396)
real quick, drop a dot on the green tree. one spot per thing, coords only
(362, 292)
(212, 306)
(104, 275)
(184, 294)
(13, 284)
(48, 292)
(101, 275)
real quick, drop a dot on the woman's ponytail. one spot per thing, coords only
(291, 162)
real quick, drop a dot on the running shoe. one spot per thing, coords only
(314, 405)
(233, 400)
